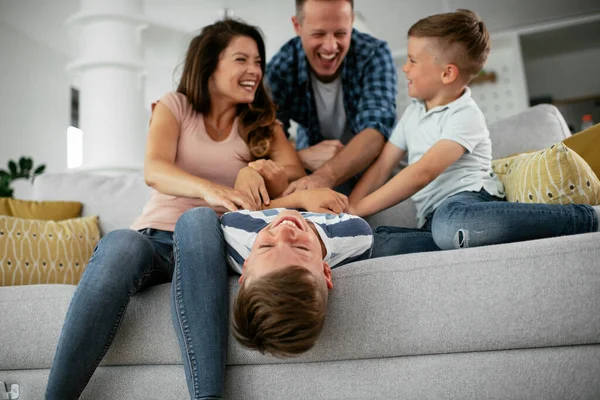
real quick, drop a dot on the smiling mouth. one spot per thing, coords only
(248, 85)
(327, 57)
(289, 221)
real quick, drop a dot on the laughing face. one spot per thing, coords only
(288, 240)
(239, 71)
(325, 28)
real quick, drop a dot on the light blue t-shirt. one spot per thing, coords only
(462, 122)
(346, 237)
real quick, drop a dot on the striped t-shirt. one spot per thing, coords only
(347, 238)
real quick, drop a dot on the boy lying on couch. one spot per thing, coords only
(285, 259)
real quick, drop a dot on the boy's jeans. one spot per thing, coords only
(124, 263)
(471, 219)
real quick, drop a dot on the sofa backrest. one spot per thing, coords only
(119, 199)
(533, 129)
(116, 199)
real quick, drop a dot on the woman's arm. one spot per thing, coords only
(284, 155)
(161, 173)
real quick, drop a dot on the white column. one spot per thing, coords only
(109, 70)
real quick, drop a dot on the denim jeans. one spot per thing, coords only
(471, 219)
(124, 263)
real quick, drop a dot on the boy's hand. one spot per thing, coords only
(251, 183)
(323, 200)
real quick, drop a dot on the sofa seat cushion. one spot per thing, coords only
(541, 293)
(556, 175)
(35, 251)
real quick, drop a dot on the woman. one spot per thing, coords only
(202, 148)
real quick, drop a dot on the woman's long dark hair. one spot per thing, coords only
(256, 120)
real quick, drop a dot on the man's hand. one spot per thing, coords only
(323, 200)
(315, 156)
(313, 181)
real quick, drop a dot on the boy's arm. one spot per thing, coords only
(411, 179)
(314, 200)
(378, 173)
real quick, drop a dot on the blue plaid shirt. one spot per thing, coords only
(369, 84)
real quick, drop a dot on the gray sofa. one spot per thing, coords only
(514, 321)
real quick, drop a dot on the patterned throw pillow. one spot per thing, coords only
(46, 210)
(35, 251)
(556, 175)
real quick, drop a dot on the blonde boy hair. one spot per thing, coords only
(463, 39)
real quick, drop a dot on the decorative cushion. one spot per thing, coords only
(36, 251)
(45, 210)
(587, 145)
(555, 175)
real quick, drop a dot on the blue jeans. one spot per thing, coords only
(471, 219)
(124, 263)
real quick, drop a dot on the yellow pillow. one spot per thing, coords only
(46, 210)
(587, 145)
(35, 251)
(555, 175)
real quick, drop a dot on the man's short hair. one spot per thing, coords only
(281, 313)
(463, 39)
(300, 7)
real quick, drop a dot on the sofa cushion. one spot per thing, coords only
(46, 210)
(36, 251)
(531, 130)
(116, 199)
(555, 175)
(541, 293)
(587, 145)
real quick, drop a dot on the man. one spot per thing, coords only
(340, 86)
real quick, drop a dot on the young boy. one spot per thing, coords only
(459, 200)
(285, 259)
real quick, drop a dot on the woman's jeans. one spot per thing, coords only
(126, 262)
(471, 219)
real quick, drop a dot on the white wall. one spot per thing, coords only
(34, 101)
(571, 74)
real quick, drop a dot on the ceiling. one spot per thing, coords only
(562, 40)
(43, 20)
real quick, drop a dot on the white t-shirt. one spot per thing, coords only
(347, 238)
(329, 100)
(462, 122)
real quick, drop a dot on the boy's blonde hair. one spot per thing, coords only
(281, 313)
(462, 37)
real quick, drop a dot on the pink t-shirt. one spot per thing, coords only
(197, 154)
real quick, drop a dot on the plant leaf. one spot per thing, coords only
(12, 166)
(28, 164)
(39, 169)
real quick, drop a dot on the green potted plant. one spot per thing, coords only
(21, 170)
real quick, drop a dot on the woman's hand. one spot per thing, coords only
(231, 199)
(323, 200)
(252, 184)
(274, 175)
